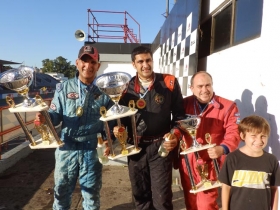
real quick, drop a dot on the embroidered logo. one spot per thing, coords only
(72, 95)
(171, 83)
(159, 99)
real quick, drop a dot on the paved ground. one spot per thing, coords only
(28, 185)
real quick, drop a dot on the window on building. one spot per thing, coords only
(221, 30)
(248, 21)
(232, 23)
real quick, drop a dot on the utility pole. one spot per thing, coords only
(167, 8)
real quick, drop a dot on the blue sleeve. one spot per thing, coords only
(226, 149)
(56, 109)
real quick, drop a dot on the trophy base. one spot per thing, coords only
(131, 151)
(196, 149)
(110, 115)
(21, 108)
(42, 145)
(206, 186)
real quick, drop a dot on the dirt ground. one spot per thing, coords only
(28, 185)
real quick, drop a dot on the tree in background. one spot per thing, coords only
(59, 65)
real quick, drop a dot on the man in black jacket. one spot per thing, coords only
(159, 102)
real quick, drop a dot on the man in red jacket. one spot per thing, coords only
(219, 118)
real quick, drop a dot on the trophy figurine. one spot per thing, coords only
(42, 128)
(190, 125)
(113, 84)
(202, 169)
(19, 80)
(122, 137)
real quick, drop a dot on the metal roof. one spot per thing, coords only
(44, 80)
(3, 62)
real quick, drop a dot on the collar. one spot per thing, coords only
(91, 87)
(137, 83)
(81, 83)
(214, 102)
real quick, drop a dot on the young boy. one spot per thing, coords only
(250, 175)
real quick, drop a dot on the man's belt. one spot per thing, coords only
(84, 138)
(149, 139)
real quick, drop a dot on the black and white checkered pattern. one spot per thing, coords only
(178, 54)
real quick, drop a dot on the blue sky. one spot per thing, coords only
(34, 30)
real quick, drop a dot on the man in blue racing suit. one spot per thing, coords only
(76, 104)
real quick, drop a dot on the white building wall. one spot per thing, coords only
(115, 62)
(156, 57)
(249, 74)
(123, 63)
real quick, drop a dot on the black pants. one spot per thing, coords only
(151, 178)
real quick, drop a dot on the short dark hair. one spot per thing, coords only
(254, 123)
(140, 50)
(200, 72)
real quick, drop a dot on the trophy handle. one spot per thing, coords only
(131, 105)
(103, 111)
(40, 100)
(10, 101)
(208, 139)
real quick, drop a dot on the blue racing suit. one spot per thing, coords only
(77, 158)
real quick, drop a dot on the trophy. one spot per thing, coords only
(113, 84)
(190, 124)
(19, 80)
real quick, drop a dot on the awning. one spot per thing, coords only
(3, 62)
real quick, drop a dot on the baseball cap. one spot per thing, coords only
(89, 50)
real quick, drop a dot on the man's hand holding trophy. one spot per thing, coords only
(19, 80)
